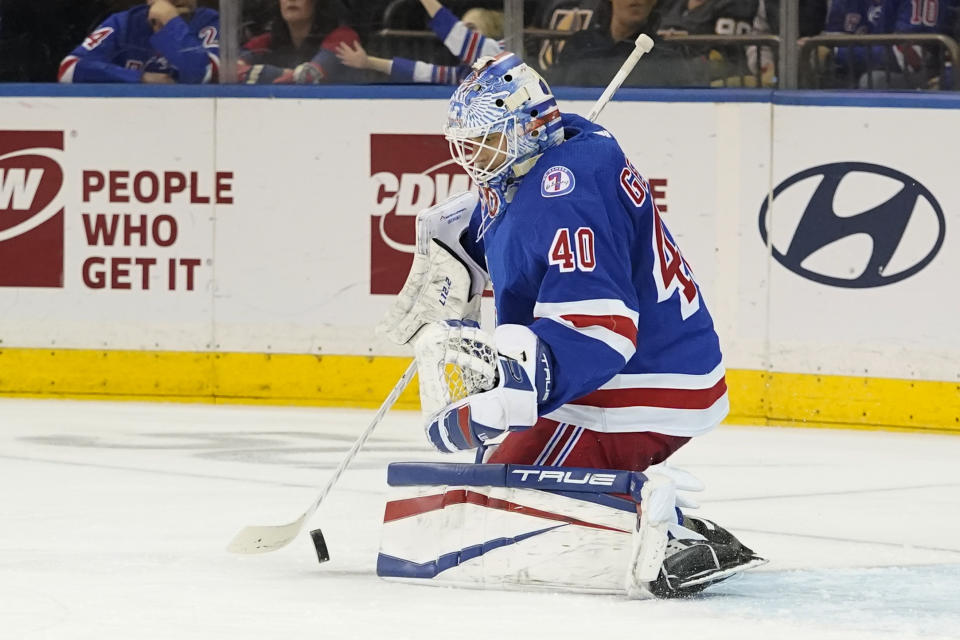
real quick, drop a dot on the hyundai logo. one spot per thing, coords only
(863, 225)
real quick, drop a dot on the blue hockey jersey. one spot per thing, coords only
(891, 16)
(124, 46)
(888, 16)
(855, 17)
(582, 257)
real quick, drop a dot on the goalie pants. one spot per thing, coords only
(559, 444)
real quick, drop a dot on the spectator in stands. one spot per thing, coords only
(300, 45)
(709, 17)
(851, 17)
(476, 35)
(162, 41)
(898, 67)
(591, 57)
(914, 66)
(812, 14)
(810, 19)
(726, 64)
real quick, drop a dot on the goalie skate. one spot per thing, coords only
(690, 566)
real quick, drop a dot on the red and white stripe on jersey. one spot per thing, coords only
(472, 45)
(473, 42)
(213, 69)
(426, 72)
(669, 403)
(607, 320)
(67, 67)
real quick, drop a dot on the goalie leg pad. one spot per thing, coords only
(509, 526)
(534, 527)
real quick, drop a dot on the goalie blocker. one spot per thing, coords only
(445, 282)
(533, 527)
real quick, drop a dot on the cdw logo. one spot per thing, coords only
(408, 173)
(31, 212)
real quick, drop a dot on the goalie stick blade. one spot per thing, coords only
(320, 545)
(263, 539)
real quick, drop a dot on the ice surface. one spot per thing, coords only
(114, 519)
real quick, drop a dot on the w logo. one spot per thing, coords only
(31, 213)
(18, 188)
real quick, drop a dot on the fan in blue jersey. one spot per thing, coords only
(918, 64)
(162, 41)
(854, 17)
(605, 354)
(911, 65)
(471, 38)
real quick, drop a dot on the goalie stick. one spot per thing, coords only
(261, 539)
(265, 538)
(643, 44)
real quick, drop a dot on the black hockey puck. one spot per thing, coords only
(320, 545)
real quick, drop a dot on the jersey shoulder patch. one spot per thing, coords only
(557, 181)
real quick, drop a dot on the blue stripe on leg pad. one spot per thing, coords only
(393, 567)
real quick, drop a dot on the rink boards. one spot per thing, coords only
(240, 244)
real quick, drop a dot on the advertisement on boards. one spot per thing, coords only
(861, 228)
(106, 224)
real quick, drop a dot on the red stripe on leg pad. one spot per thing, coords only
(398, 509)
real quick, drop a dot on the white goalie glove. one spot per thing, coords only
(474, 386)
(444, 283)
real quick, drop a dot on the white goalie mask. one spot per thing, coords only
(502, 96)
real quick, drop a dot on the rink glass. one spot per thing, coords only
(778, 45)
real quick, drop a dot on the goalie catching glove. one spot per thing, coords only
(444, 283)
(474, 386)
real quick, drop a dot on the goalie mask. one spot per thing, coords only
(502, 96)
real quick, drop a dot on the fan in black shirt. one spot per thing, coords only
(593, 56)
